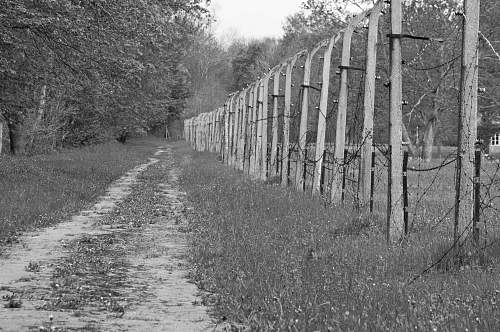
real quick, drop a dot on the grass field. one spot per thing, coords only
(41, 190)
(280, 260)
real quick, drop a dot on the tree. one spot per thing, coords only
(251, 62)
(119, 65)
(209, 68)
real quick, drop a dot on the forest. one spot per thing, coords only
(431, 68)
(79, 72)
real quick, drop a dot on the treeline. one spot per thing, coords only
(76, 72)
(431, 67)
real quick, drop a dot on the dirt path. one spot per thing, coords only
(120, 266)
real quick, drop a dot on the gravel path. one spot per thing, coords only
(119, 266)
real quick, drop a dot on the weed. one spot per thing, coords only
(281, 260)
(44, 189)
(33, 267)
(12, 301)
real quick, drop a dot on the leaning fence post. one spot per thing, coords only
(322, 180)
(214, 131)
(236, 130)
(300, 180)
(243, 131)
(253, 131)
(195, 133)
(365, 176)
(336, 192)
(219, 131)
(259, 127)
(199, 133)
(275, 119)
(205, 128)
(226, 132)
(264, 120)
(211, 133)
(248, 131)
(232, 129)
(286, 117)
(323, 113)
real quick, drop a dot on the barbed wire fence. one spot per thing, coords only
(312, 126)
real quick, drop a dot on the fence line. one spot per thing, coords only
(257, 139)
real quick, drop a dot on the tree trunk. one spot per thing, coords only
(17, 136)
(431, 126)
(39, 113)
(429, 138)
(411, 147)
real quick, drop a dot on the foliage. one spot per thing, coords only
(209, 67)
(431, 67)
(277, 260)
(41, 190)
(106, 65)
(215, 70)
(251, 62)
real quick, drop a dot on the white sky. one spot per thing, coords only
(252, 18)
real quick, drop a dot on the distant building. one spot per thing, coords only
(494, 147)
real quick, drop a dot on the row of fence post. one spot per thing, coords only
(241, 125)
(239, 129)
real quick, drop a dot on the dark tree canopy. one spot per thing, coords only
(76, 72)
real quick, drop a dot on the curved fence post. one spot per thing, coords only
(253, 129)
(336, 189)
(286, 118)
(365, 175)
(220, 132)
(226, 131)
(216, 123)
(248, 125)
(323, 113)
(203, 134)
(275, 120)
(210, 130)
(299, 180)
(231, 130)
(243, 124)
(265, 124)
(259, 127)
(236, 129)
(206, 129)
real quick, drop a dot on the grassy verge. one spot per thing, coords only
(280, 260)
(42, 190)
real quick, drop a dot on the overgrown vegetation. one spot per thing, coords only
(279, 260)
(431, 68)
(41, 190)
(81, 72)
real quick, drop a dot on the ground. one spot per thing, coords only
(119, 266)
(262, 257)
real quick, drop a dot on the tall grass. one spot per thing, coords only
(280, 260)
(44, 189)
